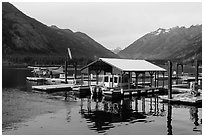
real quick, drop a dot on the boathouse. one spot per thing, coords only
(126, 70)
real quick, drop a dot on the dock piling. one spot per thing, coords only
(196, 71)
(155, 80)
(143, 79)
(75, 70)
(169, 79)
(151, 76)
(163, 80)
(136, 105)
(66, 72)
(169, 119)
(136, 80)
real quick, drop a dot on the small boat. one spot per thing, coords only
(50, 75)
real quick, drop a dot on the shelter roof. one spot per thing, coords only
(128, 64)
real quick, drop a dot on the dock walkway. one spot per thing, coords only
(132, 92)
(185, 99)
(52, 88)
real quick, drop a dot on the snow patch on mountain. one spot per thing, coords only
(160, 31)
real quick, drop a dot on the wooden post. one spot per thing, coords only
(155, 80)
(128, 80)
(169, 79)
(136, 81)
(143, 79)
(88, 77)
(155, 105)
(96, 77)
(75, 70)
(151, 78)
(121, 79)
(136, 105)
(151, 74)
(182, 70)
(82, 79)
(65, 72)
(150, 104)
(177, 65)
(158, 79)
(163, 80)
(196, 71)
(130, 76)
(143, 104)
(112, 80)
(169, 119)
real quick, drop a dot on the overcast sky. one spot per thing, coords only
(114, 24)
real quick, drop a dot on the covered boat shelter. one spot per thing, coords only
(121, 67)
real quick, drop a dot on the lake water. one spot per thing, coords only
(101, 115)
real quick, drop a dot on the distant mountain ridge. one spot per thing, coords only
(178, 43)
(22, 35)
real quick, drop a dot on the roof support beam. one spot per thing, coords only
(158, 79)
(151, 76)
(163, 79)
(143, 79)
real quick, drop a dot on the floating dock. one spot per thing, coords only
(185, 99)
(54, 88)
(132, 92)
(181, 90)
(180, 86)
(189, 78)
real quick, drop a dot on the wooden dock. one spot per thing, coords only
(181, 90)
(189, 78)
(185, 99)
(53, 88)
(180, 86)
(133, 92)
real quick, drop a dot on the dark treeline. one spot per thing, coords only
(60, 60)
(165, 62)
(43, 60)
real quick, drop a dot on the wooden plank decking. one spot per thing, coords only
(185, 99)
(130, 92)
(51, 88)
(181, 90)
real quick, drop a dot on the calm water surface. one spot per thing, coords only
(102, 115)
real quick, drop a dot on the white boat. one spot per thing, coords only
(50, 75)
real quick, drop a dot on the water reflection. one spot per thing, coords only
(169, 120)
(104, 113)
(14, 77)
(195, 119)
(193, 110)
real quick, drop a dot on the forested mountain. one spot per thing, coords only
(27, 39)
(177, 44)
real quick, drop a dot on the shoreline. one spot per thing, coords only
(20, 106)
